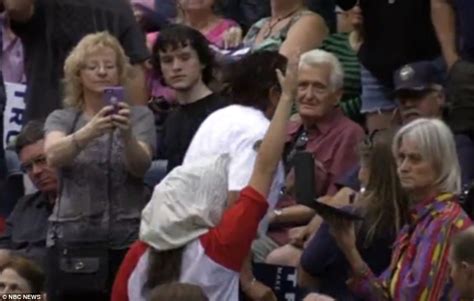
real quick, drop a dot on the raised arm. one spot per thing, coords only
(272, 145)
(231, 233)
(444, 22)
(19, 10)
(138, 154)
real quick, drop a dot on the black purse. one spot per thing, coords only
(76, 267)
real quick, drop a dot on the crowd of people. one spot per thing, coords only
(165, 144)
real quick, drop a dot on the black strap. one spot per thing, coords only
(292, 147)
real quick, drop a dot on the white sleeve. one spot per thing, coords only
(243, 157)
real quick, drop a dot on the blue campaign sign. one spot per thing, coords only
(13, 114)
(283, 280)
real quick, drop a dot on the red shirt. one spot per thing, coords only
(333, 143)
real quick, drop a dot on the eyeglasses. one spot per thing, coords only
(28, 166)
(99, 67)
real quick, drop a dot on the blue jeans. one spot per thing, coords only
(375, 96)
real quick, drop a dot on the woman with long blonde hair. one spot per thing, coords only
(101, 147)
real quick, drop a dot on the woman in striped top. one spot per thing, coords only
(343, 45)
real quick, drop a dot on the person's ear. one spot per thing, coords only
(441, 98)
(338, 96)
(274, 95)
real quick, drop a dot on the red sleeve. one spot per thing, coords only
(228, 244)
(120, 287)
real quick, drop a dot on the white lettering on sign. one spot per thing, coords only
(14, 109)
(290, 297)
(292, 278)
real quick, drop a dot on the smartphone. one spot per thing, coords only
(305, 190)
(113, 96)
(305, 187)
(329, 211)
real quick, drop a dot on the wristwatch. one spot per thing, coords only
(277, 213)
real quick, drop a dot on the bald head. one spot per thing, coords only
(463, 246)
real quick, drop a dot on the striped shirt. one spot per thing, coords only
(338, 44)
(419, 270)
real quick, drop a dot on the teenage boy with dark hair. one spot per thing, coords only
(181, 55)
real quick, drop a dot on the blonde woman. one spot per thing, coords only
(101, 152)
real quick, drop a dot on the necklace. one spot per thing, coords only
(277, 21)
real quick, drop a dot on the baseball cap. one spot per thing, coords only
(416, 77)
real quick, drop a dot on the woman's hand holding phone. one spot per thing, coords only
(99, 125)
(120, 115)
(121, 120)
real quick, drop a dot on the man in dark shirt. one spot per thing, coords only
(458, 51)
(26, 226)
(49, 29)
(182, 56)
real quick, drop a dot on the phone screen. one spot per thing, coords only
(113, 96)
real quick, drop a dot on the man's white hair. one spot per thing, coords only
(316, 57)
(436, 144)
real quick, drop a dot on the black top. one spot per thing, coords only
(323, 259)
(54, 29)
(26, 227)
(397, 32)
(182, 124)
(465, 15)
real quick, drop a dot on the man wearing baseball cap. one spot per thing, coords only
(418, 90)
